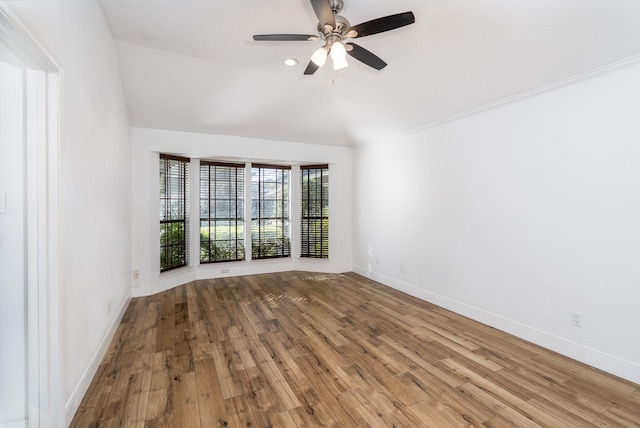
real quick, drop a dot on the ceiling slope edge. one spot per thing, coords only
(567, 81)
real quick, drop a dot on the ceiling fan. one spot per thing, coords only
(334, 30)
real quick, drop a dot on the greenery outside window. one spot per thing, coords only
(270, 224)
(315, 211)
(174, 248)
(221, 212)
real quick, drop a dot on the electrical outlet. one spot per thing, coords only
(136, 279)
(109, 307)
(402, 269)
(576, 319)
(224, 270)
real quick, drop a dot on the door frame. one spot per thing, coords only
(42, 144)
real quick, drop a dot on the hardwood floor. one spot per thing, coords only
(300, 349)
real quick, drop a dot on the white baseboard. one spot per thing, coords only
(603, 361)
(183, 276)
(85, 381)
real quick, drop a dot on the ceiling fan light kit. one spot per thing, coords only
(339, 64)
(338, 51)
(319, 57)
(334, 30)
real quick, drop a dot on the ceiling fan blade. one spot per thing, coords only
(311, 68)
(284, 37)
(363, 55)
(323, 11)
(383, 24)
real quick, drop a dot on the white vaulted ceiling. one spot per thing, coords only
(192, 65)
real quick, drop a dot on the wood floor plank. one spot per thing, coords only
(373, 416)
(430, 416)
(572, 404)
(470, 411)
(451, 379)
(373, 350)
(185, 403)
(290, 419)
(494, 401)
(624, 417)
(299, 349)
(230, 384)
(275, 378)
(137, 399)
(211, 408)
(567, 419)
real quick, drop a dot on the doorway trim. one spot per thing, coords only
(42, 144)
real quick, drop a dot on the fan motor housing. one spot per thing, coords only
(340, 30)
(336, 6)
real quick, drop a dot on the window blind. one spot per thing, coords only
(221, 212)
(270, 224)
(173, 212)
(315, 211)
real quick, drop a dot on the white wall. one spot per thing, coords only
(518, 216)
(147, 143)
(95, 241)
(13, 355)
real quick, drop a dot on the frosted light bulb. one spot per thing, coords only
(338, 51)
(339, 64)
(319, 57)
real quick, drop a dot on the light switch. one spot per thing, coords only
(3, 202)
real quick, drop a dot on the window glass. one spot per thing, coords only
(315, 211)
(270, 234)
(221, 212)
(173, 212)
